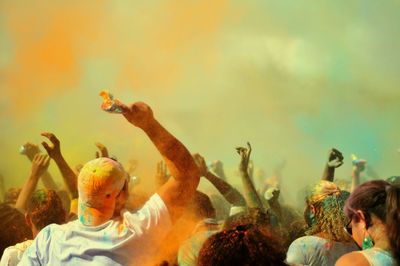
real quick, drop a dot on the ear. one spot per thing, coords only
(28, 220)
(361, 218)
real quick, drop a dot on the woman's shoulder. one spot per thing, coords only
(355, 258)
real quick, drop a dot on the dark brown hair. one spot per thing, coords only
(45, 207)
(381, 199)
(245, 245)
(13, 228)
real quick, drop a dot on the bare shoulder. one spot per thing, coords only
(353, 258)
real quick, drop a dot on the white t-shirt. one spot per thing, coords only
(130, 240)
(313, 250)
(12, 255)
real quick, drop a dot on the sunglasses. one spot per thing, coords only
(348, 229)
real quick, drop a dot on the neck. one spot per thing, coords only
(93, 217)
(35, 231)
(379, 236)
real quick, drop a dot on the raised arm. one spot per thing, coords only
(250, 192)
(178, 190)
(40, 163)
(30, 150)
(67, 173)
(230, 193)
(218, 168)
(358, 167)
(103, 150)
(335, 160)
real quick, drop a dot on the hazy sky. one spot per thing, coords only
(292, 77)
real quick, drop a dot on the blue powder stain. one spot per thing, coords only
(106, 237)
(81, 219)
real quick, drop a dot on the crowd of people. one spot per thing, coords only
(96, 220)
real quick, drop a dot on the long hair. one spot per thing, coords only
(381, 199)
(329, 219)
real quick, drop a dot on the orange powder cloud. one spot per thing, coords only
(151, 46)
(168, 45)
(45, 57)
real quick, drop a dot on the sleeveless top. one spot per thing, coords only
(378, 257)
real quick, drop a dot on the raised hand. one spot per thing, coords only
(30, 150)
(245, 154)
(217, 167)
(139, 114)
(335, 158)
(103, 150)
(358, 167)
(358, 164)
(40, 164)
(250, 193)
(53, 150)
(201, 164)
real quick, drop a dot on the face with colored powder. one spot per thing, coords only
(122, 198)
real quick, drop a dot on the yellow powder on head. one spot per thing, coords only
(100, 179)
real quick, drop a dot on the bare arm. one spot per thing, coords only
(178, 190)
(103, 150)
(162, 175)
(30, 150)
(67, 173)
(218, 168)
(335, 160)
(358, 167)
(250, 192)
(230, 193)
(39, 165)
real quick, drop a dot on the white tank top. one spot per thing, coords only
(378, 257)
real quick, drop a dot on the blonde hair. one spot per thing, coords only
(328, 202)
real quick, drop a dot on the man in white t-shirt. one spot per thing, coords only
(105, 233)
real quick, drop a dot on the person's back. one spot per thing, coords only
(120, 241)
(318, 251)
(105, 233)
(44, 208)
(327, 239)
